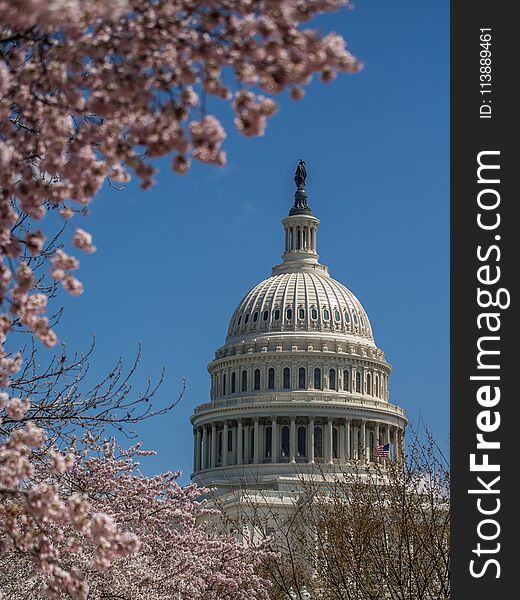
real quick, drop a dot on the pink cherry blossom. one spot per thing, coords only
(83, 241)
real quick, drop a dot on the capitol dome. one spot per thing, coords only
(299, 379)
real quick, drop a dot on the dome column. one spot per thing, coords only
(342, 441)
(256, 441)
(240, 448)
(204, 447)
(363, 441)
(234, 444)
(292, 441)
(225, 444)
(355, 442)
(376, 439)
(213, 445)
(274, 440)
(387, 441)
(328, 445)
(247, 443)
(310, 442)
(347, 440)
(196, 453)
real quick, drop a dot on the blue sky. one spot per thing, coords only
(173, 262)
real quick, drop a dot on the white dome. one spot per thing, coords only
(300, 301)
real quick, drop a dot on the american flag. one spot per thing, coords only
(383, 451)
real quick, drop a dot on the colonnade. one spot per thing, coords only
(292, 440)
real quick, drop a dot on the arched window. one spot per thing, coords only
(265, 315)
(286, 378)
(268, 441)
(354, 315)
(277, 314)
(301, 378)
(369, 384)
(285, 442)
(346, 378)
(314, 313)
(255, 317)
(318, 442)
(335, 453)
(302, 441)
(244, 381)
(301, 313)
(288, 314)
(317, 379)
(358, 382)
(233, 382)
(257, 379)
(337, 316)
(332, 379)
(270, 379)
(326, 315)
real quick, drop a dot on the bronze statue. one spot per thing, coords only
(301, 175)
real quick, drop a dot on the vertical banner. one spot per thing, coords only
(485, 267)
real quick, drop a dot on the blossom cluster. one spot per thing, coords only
(95, 524)
(42, 521)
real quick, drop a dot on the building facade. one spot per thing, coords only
(299, 383)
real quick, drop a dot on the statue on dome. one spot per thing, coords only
(300, 196)
(301, 175)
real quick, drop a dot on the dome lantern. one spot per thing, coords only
(300, 227)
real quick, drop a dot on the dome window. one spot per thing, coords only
(301, 313)
(255, 317)
(317, 378)
(337, 316)
(246, 320)
(346, 379)
(270, 379)
(301, 378)
(326, 315)
(265, 316)
(314, 314)
(239, 321)
(277, 314)
(347, 317)
(289, 314)
(286, 378)
(332, 379)
(355, 319)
